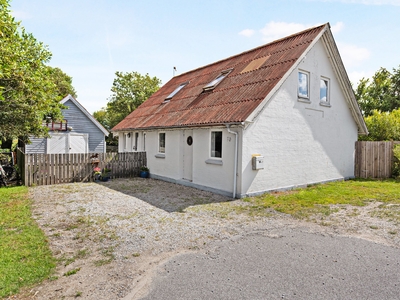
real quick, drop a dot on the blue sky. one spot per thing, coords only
(92, 39)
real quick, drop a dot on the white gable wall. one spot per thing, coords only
(302, 143)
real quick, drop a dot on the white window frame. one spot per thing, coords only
(176, 91)
(135, 147)
(303, 97)
(127, 136)
(328, 90)
(217, 80)
(212, 155)
(160, 150)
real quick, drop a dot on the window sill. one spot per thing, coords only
(160, 155)
(214, 162)
(326, 104)
(304, 100)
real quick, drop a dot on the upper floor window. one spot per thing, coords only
(216, 144)
(324, 90)
(303, 85)
(217, 80)
(181, 86)
(161, 142)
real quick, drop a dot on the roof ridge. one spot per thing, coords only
(254, 49)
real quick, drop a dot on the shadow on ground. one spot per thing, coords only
(168, 196)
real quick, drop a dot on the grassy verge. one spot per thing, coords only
(302, 203)
(25, 258)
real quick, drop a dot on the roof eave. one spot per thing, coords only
(178, 126)
(338, 66)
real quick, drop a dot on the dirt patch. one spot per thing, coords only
(109, 237)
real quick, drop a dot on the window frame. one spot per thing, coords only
(176, 91)
(216, 81)
(127, 136)
(136, 141)
(328, 89)
(212, 155)
(301, 96)
(160, 150)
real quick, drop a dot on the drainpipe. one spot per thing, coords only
(236, 159)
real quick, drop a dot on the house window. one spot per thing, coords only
(303, 89)
(126, 141)
(161, 142)
(216, 144)
(144, 141)
(217, 80)
(136, 141)
(324, 90)
(181, 86)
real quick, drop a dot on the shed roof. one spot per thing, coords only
(252, 76)
(88, 115)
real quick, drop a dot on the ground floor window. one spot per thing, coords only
(161, 142)
(216, 144)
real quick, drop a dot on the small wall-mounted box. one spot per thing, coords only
(257, 162)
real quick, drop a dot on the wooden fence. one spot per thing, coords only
(374, 159)
(46, 169)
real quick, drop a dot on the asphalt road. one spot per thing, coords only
(293, 264)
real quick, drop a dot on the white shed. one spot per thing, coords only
(79, 132)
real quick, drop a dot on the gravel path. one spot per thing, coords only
(114, 234)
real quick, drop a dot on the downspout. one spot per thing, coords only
(236, 159)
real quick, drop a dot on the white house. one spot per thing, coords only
(79, 132)
(276, 117)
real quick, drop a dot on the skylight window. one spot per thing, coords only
(217, 80)
(176, 91)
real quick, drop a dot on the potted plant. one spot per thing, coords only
(144, 172)
(106, 174)
(97, 174)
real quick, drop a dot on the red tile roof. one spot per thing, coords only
(233, 99)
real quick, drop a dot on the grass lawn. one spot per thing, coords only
(25, 258)
(302, 203)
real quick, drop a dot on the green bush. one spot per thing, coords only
(383, 126)
(396, 162)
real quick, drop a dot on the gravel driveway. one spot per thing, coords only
(113, 235)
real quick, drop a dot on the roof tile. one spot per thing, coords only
(231, 101)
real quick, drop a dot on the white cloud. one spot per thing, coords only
(353, 55)
(355, 76)
(374, 2)
(337, 27)
(276, 30)
(247, 32)
(366, 2)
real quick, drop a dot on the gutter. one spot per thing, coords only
(235, 158)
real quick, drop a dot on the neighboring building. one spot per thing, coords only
(79, 132)
(289, 104)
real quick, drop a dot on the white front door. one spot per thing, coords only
(187, 154)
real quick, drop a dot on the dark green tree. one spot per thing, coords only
(63, 82)
(381, 93)
(129, 90)
(28, 92)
